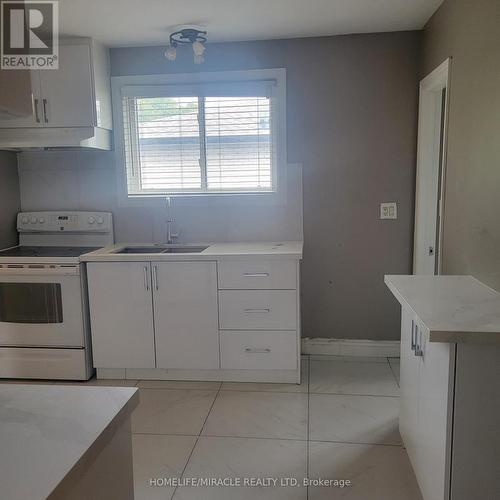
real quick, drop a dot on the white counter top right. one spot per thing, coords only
(453, 308)
(214, 251)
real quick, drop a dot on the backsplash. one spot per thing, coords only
(85, 180)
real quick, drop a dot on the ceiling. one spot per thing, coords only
(149, 22)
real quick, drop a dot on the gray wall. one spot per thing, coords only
(351, 123)
(9, 199)
(470, 33)
(352, 116)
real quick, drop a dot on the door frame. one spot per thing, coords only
(434, 83)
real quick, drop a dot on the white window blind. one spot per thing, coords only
(215, 138)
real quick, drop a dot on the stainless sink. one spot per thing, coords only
(185, 249)
(161, 249)
(141, 250)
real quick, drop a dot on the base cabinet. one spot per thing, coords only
(258, 350)
(185, 320)
(185, 312)
(408, 382)
(449, 414)
(161, 315)
(427, 385)
(121, 311)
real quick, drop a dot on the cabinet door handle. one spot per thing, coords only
(155, 277)
(35, 106)
(418, 345)
(45, 116)
(146, 281)
(256, 275)
(250, 311)
(255, 350)
(413, 331)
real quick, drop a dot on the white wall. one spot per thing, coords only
(85, 180)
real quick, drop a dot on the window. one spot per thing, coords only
(199, 138)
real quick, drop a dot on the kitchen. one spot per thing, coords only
(192, 220)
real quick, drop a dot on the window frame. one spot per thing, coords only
(278, 124)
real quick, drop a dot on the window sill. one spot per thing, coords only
(257, 198)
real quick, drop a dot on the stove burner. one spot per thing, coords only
(46, 251)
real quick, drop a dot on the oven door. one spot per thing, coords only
(41, 305)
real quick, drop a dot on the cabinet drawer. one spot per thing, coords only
(258, 350)
(257, 309)
(258, 274)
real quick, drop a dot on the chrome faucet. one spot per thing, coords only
(171, 236)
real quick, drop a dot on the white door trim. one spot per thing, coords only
(429, 118)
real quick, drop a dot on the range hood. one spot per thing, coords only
(55, 138)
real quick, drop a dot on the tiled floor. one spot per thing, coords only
(340, 423)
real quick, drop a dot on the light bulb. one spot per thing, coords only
(171, 53)
(198, 48)
(199, 59)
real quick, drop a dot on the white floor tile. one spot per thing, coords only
(258, 414)
(375, 472)
(220, 457)
(165, 411)
(263, 387)
(158, 456)
(334, 377)
(178, 384)
(354, 419)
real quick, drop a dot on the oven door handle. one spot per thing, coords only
(40, 271)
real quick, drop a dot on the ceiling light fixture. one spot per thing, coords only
(197, 39)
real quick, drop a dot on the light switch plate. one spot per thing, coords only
(389, 210)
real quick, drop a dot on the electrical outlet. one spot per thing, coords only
(389, 210)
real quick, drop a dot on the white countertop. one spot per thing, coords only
(453, 308)
(230, 251)
(45, 431)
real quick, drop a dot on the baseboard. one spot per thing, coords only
(271, 376)
(351, 347)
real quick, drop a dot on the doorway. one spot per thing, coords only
(431, 171)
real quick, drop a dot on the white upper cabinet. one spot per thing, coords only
(28, 99)
(67, 93)
(70, 106)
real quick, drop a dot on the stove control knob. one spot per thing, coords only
(25, 220)
(91, 220)
(100, 220)
(41, 220)
(33, 220)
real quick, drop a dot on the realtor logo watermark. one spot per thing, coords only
(30, 34)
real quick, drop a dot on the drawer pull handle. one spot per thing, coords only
(256, 275)
(252, 350)
(250, 311)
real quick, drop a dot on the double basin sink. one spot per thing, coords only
(161, 249)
